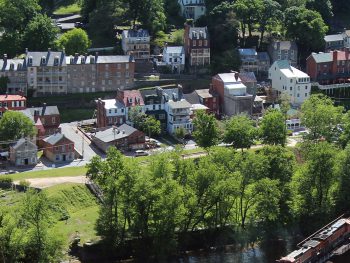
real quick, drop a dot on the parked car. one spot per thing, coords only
(141, 153)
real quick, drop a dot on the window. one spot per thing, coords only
(161, 116)
(119, 66)
(200, 43)
(109, 111)
(291, 81)
(305, 87)
(53, 120)
(154, 107)
(57, 157)
(56, 148)
(205, 42)
(194, 43)
(109, 82)
(291, 88)
(122, 110)
(116, 111)
(305, 94)
(298, 95)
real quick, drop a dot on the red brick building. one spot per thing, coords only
(329, 68)
(12, 102)
(46, 117)
(197, 46)
(58, 148)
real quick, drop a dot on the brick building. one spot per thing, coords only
(233, 96)
(197, 46)
(46, 118)
(329, 68)
(136, 43)
(58, 148)
(95, 73)
(12, 102)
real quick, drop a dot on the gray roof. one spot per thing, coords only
(247, 52)
(48, 55)
(97, 59)
(283, 64)
(68, 18)
(263, 56)
(247, 77)
(177, 49)
(180, 104)
(54, 138)
(331, 38)
(322, 57)
(43, 111)
(204, 93)
(66, 26)
(169, 93)
(150, 92)
(20, 142)
(192, 97)
(18, 64)
(136, 33)
(284, 45)
(113, 134)
(199, 32)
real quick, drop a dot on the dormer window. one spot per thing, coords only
(30, 60)
(56, 60)
(43, 60)
(12, 66)
(71, 59)
(130, 100)
(82, 60)
(92, 60)
(19, 66)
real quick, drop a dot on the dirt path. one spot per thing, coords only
(51, 181)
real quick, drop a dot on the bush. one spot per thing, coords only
(6, 179)
(24, 183)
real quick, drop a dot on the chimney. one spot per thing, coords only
(96, 55)
(76, 55)
(63, 51)
(44, 108)
(26, 50)
(236, 76)
(6, 94)
(5, 59)
(49, 50)
(335, 55)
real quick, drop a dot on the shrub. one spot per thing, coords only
(6, 179)
(24, 183)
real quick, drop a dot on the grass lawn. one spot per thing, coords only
(69, 9)
(57, 172)
(76, 201)
(69, 115)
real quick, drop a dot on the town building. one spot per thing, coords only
(192, 9)
(154, 105)
(12, 102)
(334, 42)
(136, 43)
(256, 62)
(94, 73)
(329, 68)
(123, 137)
(179, 112)
(110, 112)
(173, 58)
(197, 46)
(290, 80)
(47, 72)
(205, 97)
(233, 96)
(283, 50)
(46, 119)
(16, 73)
(23, 152)
(249, 80)
(58, 148)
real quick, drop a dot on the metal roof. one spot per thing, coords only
(49, 56)
(331, 38)
(18, 64)
(73, 60)
(322, 57)
(176, 49)
(113, 134)
(136, 33)
(181, 104)
(55, 138)
(20, 142)
(247, 52)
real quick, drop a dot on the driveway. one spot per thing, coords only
(71, 132)
(51, 181)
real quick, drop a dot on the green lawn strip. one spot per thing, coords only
(69, 9)
(58, 172)
(69, 115)
(75, 209)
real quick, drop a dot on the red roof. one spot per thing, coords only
(12, 97)
(132, 98)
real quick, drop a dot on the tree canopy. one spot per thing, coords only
(74, 41)
(273, 128)
(206, 131)
(15, 125)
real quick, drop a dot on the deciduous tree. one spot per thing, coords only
(15, 125)
(74, 41)
(272, 128)
(206, 131)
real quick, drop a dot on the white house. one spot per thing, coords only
(174, 57)
(178, 112)
(287, 79)
(192, 9)
(136, 43)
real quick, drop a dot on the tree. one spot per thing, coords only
(180, 133)
(151, 126)
(15, 125)
(272, 128)
(240, 131)
(136, 116)
(40, 33)
(268, 15)
(226, 61)
(306, 26)
(4, 80)
(324, 7)
(344, 137)
(206, 131)
(74, 41)
(321, 117)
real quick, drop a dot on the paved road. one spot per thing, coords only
(71, 132)
(51, 181)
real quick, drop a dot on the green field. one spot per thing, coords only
(77, 203)
(69, 9)
(58, 172)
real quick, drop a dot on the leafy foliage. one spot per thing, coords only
(74, 41)
(15, 125)
(273, 128)
(206, 131)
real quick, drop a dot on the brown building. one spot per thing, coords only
(99, 73)
(197, 46)
(58, 148)
(329, 68)
(136, 43)
(124, 137)
(46, 119)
